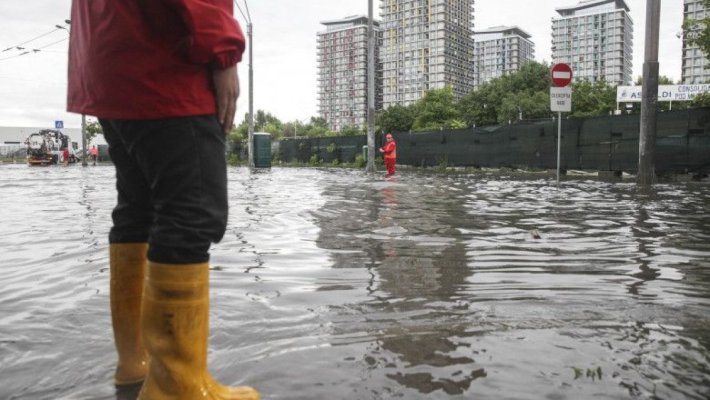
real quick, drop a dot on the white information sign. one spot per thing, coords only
(561, 99)
(632, 94)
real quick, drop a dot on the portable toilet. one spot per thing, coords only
(262, 150)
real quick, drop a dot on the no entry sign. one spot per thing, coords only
(561, 75)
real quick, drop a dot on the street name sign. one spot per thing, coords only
(561, 99)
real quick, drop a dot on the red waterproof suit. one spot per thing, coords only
(156, 68)
(390, 152)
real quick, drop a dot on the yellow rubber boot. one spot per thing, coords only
(128, 266)
(175, 332)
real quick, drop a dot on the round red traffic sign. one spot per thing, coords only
(561, 75)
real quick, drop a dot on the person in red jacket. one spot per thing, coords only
(94, 153)
(161, 77)
(390, 154)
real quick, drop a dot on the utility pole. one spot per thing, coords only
(84, 144)
(250, 147)
(250, 40)
(649, 96)
(370, 90)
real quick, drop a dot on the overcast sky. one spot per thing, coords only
(33, 86)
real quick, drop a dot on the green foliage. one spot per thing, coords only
(360, 161)
(350, 130)
(701, 100)
(529, 105)
(457, 124)
(93, 128)
(234, 160)
(331, 148)
(475, 109)
(397, 118)
(505, 98)
(315, 160)
(697, 31)
(592, 99)
(435, 110)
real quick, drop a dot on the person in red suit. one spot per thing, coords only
(390, 154)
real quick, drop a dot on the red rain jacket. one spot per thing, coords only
(390, 150)
(149, 59)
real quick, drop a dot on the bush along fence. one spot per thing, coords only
(608, 143)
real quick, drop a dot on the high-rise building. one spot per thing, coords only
(500, 50)
(695, 63)
(426, 44)
(342, 72)
(595, 38)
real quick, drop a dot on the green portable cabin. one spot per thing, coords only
(262, 150)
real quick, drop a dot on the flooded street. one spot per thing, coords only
(330, 284)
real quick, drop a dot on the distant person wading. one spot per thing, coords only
(390, 154)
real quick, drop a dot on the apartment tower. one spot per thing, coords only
(695, 63)
(595, 38)
(500, 50)
(426, 45)
(342, 72)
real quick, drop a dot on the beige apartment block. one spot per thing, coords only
(695, 63)
(595, 37)
(342, 72)
(426, 45)
(499, 51)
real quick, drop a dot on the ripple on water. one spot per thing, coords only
(334, 284)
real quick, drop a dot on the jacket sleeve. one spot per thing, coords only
(216, 37)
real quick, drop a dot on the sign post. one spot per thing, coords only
(560, 101)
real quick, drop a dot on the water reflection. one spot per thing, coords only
(645, 234)
(419, 265)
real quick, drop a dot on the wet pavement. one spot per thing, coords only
(330, 284)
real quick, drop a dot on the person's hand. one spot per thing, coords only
(381, 151)
(226, 84)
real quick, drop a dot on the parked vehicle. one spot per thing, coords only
(47, 147)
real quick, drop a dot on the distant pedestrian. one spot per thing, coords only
(65, 155)
(94, 153)
(390, 154)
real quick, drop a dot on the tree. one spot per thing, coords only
(592, 99)
(351, 130)
(93, 128)
(436, 110)
(397, 118)
(701, 100)
(263, 118)
(477, 108)
(501, 99)
(531, 105)
(697, 31)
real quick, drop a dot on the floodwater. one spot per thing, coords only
(333, 285)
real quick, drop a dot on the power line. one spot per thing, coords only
(246, 5)
(34, 50)
(242, 12)
(18, 46)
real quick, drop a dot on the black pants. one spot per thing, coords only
(171, 178)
